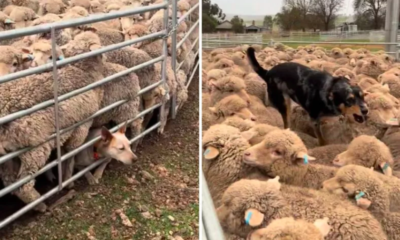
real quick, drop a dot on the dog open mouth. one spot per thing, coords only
(358, 118)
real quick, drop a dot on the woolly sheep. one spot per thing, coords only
(347, 73)
(22, 16)
(257, 133)
(326, 154)
(392, 79)
(239, 123)
(227, 86)
(292, 229)
(265, 201)
(96, 7)
(5, 22)
(13, 60)
(222, 159)
(283, 154)
(51, 6)
(367, 151)
(256, 86)
(363, 186)
(372, 67)
(152, 47)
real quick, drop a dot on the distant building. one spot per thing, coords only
(253, 28)
(224, 27)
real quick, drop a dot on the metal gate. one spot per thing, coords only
(164, 34)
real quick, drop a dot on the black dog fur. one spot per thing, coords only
(319, 93)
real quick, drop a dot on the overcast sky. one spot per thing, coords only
(262, 7)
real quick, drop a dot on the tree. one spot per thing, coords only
(237, 24)
(211, 17)
(326, 11)
(303, 7)
(268, 22)
(289, 19)
(374, 9)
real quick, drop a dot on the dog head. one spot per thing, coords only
(116, 146)
(348, 100)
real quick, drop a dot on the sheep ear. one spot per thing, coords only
(303, 156)
(323, 226)
(363, 203)
(211, 153)
(94, 47)
(26, 50)
(386, 86)
(275, 183)
(386, 169)
(247, 135)
(213, 110)
(347, 76)
(253, 217)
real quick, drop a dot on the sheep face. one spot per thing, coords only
(270, 62)
(347, 73)
(289, 228)
(337, 53)
(366, 151)
(133, 32)
(236, 205)
(96, 7)
(372, 67)
(387, 58)
(232, 106)
(366, 82)
(280, 149)
(384, 108)
(13, 60)
(227, 86)
(41, 52)
(347, 52)
(392, 79)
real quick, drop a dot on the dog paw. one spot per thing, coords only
(93, 181)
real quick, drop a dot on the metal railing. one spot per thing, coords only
(175, 45)
(164, 34)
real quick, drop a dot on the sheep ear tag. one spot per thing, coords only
(304, 156)
(386, 169)
(362, 202)
(393, 122)
(211, 153)
(253, 217)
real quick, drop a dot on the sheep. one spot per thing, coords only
(256, 86)
(371, 67)
(337, 53)
(222, 159)
(33, 130)
(251, 204)
(347, 73)
(326, 154)
(81, 11)
(348, 52)
(96, 7)
(51, 6)
(392, 79)
(13, 60)
(80, 3)
(213, 75)
(107, 36)
(282, 153)
(366, 82)
(32, 4)
(270, 62)
(22, 16)
(369, 192)
(292, 229)
(367, 151)
(231, 105)
(42, 52)
(152, 47)
(227, 86)
(257, 133)
(124, 88)
(221, 64)
(239, 123)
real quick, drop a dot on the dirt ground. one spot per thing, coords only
(156, 198)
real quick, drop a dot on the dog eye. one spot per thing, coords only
(121, 148)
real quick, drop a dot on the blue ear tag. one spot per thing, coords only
(385, 166)
(305, 159)
(206, 152)
(248, 217)
(8, 21)
(360, 195)
(61, 58)
(31, 57)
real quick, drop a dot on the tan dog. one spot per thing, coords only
(110, 146)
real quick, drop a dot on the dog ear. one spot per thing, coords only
(106, 135)
(123, 128)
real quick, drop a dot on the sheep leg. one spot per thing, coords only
(317, 131)
(135, 129)
(164, 117)
(98, 174)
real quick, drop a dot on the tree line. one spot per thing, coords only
(303, 15)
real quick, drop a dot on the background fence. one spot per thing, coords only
(169, 30)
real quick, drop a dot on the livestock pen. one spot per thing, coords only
(170, 23)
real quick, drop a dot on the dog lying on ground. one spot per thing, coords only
(111, 146)
(319, 93)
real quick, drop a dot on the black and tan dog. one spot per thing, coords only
(319, 93)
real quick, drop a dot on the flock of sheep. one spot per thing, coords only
(19, 54)
(273, 183)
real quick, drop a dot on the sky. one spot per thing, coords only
(263, 7)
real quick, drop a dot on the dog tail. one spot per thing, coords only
(254, 63)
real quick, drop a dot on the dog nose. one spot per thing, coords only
(134, 157)
(364, 111)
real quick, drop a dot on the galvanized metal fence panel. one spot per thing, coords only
(164, 34)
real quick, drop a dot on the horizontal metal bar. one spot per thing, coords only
(305, 42)
(192, 75)
(47, 167)
(53, 191)
(147, 131)
(76, 22)
(73, 93)
(184, 16)
(187, 34)
(79, 57)
(14, 154)
(191, 48)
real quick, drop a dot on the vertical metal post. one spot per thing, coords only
(395, 25)
(388, 23)
(164, 62)
(173, 36)
(57, 122)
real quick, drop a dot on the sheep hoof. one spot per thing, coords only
(41, 208)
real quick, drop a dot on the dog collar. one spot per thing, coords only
(96, 155)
